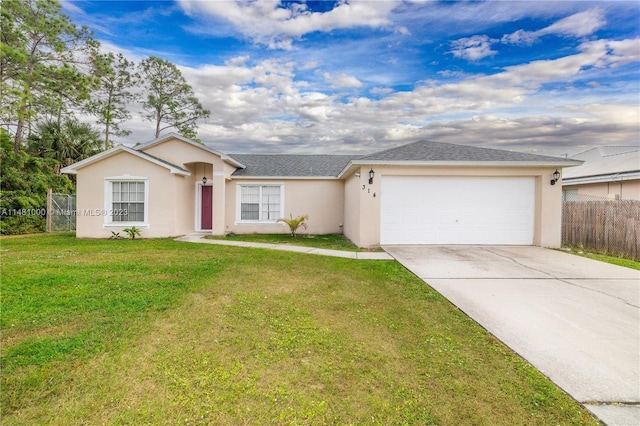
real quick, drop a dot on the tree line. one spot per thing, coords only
(52, 72)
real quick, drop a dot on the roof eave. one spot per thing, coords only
(73, 168)
(284, 177)
(551, 163)
(612, 177)
(507, 163)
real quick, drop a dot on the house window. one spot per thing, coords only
(260, 203)
(128, 201)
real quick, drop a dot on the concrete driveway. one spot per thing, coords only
(577, 320)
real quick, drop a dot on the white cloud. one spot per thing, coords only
(342, 80)
(472, 48)
(577, 25)
(381, 90)
(266, 106)
(271, 23)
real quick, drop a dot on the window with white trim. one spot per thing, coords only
(260, 203)
(127, 201)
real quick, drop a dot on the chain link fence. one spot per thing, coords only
(602, 224)
(61, 212)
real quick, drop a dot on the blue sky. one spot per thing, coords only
(358, 76)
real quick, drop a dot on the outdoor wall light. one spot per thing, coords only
(357, 174)
(556, 176)
(371, 174)
(204, 180)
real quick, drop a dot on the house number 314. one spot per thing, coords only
(368, 191)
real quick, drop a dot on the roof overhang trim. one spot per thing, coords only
(503, 164)
(615, 177)
(284, 177)
(73, 168)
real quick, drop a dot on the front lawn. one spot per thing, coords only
(604, 257)
(161, 332)
(328, 241)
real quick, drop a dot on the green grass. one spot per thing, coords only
(160, 332)
(328, 241)
(603, 257)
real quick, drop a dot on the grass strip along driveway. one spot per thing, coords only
(160, 332)
(329, 242)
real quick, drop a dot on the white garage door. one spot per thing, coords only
(457, 210)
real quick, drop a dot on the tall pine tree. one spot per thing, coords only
(170, 101)
(116, 80)
(41, 63)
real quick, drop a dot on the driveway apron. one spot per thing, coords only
(576, 320)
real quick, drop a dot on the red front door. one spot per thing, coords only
(206, 207)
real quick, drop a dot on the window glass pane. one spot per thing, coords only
(128, 201)
(116, 209)
(250, 194)
(260, 202)
(270, 203)
(249, 211)
(116, 191)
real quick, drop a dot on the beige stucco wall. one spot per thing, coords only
(322, 200)
(627, 190)
(547, 212)
(164, 188)
(352, 207)
(201, 163)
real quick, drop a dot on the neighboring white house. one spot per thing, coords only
(420, 193)
(608, 172)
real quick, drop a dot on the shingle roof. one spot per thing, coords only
(290, 165)
(428, 151)
(417, 152)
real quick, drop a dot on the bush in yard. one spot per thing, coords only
(296, 223)
(132, 232)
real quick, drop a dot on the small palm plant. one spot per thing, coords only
(132, 232)
(295, 224)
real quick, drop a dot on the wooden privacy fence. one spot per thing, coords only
(608, 226)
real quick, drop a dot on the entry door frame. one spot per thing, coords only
(198, 207)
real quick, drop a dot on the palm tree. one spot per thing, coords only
(65, 143)
(295, 223)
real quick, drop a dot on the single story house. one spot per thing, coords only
(611, 172)
(420, 193)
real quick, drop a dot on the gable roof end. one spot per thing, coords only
(73, 169)
(173, 135)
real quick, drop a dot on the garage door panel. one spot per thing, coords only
(457, 210)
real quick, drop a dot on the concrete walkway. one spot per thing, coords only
(575, 319)
(363, 255)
